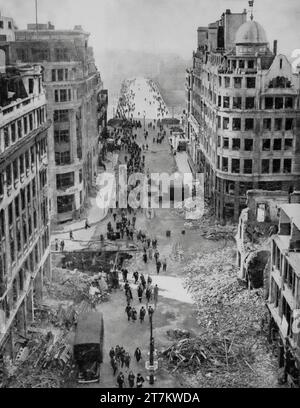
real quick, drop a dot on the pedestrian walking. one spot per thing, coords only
(149, 280)
(127, 359)
(145, 258)
(142, 314)
(136, 277)
(56, 244)
(117, 352)
(137, 354)
(114, 364)
(120, 379)
(164, 264)
(128, 311)
(62, 245)
(87, 225)
(124, 273)
(158, 266)
(71, 235)
(139, 381)
(112, 353)
(133, 314)
(143, 281)
(131, 378)
(122, 357)
(140, 291)
(156, 255)
(150, 253)
(148, 294)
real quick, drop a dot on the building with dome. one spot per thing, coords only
(242, 114)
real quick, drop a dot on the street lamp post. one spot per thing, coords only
(151, 355)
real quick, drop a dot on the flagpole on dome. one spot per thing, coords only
(251, 5)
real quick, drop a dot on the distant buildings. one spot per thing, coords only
(24, 212)
(284, 292)
(76, 105)
(243, 114)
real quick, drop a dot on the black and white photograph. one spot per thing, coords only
(149, 197)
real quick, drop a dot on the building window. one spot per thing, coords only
(219, 122)
(288, 144)
(278, 124)
(225, 142)
(237, 102)
(6, 137)
(249, 145)
(31, 85)
(80, 176)
(267, 124)
(62, 136)
(218, 162)
(235, 166)
(289, 103)
(236, 143)
(251, 82)
(219, 141)
(236, 124)
(62, 158)
(251, 64)
(278, 103)
(225, 123)
(65, 203)
(265, 166)
(248, 166)
(61, 54)
(227, 82)
(277, 144)
(61, 115)
(250, 103)
(21, 161)
(266, 144)
(276, 165)
(233, 64)
(249, 124)
(224, 164)
(287, 165)
(269, 103)
(53, 75)
(64, 181)
(226, 102)
(1, 24)
(237, 81)
(241, 64)
(289, 124)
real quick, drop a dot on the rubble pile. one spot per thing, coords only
(178, 333)
(208, 354)
(43, 361)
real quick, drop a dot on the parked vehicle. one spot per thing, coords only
(88, 346)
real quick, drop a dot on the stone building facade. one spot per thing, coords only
(243, 114)
(24, 215)
(284, 293)
(75, 106)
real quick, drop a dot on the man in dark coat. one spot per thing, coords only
(120, 379)
(112, 353)
(158, 266)
(142, 314)
(114, 364)
(138, 354)
(140, 291)
(136, 276)
(128, 311)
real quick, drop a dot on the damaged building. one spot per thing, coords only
(284, 295)
(76, 104)
(24, 217)
(243, 114)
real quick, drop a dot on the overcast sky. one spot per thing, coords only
(156, 25)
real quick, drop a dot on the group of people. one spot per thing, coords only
(119, 359)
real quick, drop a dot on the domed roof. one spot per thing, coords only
(251, 32)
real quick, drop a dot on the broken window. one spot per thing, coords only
(287, 165)
(278, 103)
(249, 145)
(276, 165)
(266, 144)
(277, 144)
(249, 124)
(278, 124)
(237, 102)
(237, 82)
(225, 142)
(265, 166)
(236, 124)
(268, 103)
(236, 143)
(250, 102)
(224, 164)
(288, 144)
(251, 82)
(235, 166)
(225, 123)
(247, 166)
(226, 102)
(267, 124)
(261, 212)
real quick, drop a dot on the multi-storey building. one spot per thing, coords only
(24, 216)
(75, 106)
(284, 292)
(243, 107)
